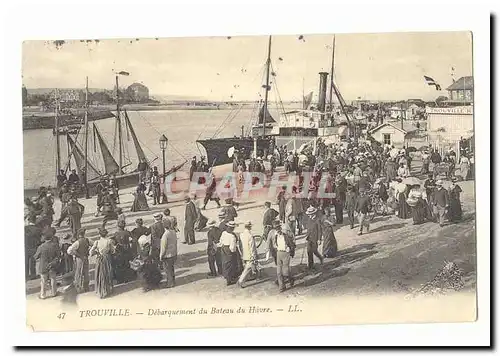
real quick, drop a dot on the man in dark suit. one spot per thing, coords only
(213, 252)
(267, 221)
(190, 217)
(314, 235)
(441, 202)
(363, 205)
(157, 230)
(49, 255)
(32, 239)
(351, 199)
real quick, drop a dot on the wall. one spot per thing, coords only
(397, 137)
(456, 122)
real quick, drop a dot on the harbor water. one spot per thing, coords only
(182, 128)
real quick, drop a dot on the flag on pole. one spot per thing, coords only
(431, 81)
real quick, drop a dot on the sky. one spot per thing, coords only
(387, 66)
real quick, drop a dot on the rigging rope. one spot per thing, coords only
(159, 134)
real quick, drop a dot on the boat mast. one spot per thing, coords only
(86, 126)
(58, 144)
(268, 64)
(331, 77)
(120, 159)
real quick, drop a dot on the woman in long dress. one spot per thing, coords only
(80, 250)
(103, 249)
(140, 202)
(464, 167)
(329, 242)
(403, 209)
(455, 211)
(417, 205)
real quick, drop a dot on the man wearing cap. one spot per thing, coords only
(248, 253)
(157, 230)
(313, 236)
(80, 250)
(49, 255)
(190, 217)
(168, 252)
(441, 202)
(285, 251)
(213, 252)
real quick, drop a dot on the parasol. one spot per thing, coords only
(412, 181)
(328, 141)
(230, 152)
(394, 153)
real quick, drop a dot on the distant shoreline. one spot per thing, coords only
(34, 118)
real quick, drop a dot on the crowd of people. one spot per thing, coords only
(356, 175)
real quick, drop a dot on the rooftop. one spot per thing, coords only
(464, 83)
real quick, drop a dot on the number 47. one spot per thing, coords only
(61, 315)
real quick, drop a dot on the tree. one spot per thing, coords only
(441, 98)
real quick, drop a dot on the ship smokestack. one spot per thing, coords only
(323, 78)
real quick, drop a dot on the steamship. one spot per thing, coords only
(293, 128)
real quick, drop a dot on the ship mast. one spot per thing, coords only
(268, 64)
(58, 144)
(120, 158)
(331, 77)
(86, 126)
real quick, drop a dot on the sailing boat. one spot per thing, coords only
(111, 167)
(259, 142)
(295, 129)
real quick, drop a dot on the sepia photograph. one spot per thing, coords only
(236, 181)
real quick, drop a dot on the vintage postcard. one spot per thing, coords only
(236, 181)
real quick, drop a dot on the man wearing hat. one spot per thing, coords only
(313, 236)
(222, 220)
(213, 252)
(267, 220)
(284, 243)
(49, 255)
(190, 218)
(229, 248)
(441, 202)
(168, 252)
(172, 219)
(32, 239)
(157, 230)
(248, 253)
(192, 168)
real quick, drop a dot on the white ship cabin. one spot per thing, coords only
(307, 123)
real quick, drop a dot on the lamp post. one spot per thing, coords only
(163, 146)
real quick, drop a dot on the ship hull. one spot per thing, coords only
(217, 148)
